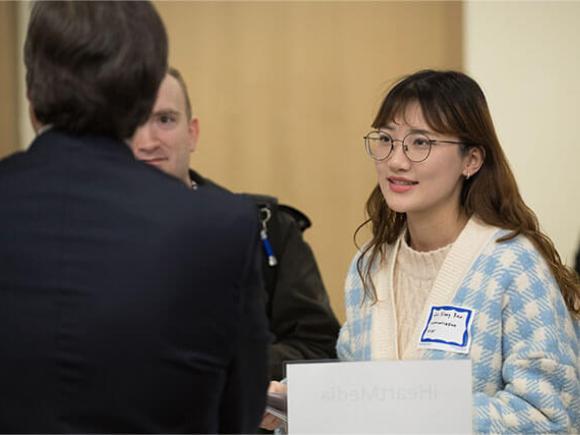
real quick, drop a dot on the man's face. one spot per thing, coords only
(168, 137)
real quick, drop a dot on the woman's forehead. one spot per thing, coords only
(408, 113)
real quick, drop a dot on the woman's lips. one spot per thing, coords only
(401, 185)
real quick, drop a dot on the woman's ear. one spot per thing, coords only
(473, 161)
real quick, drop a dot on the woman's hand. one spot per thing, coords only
(269, 421)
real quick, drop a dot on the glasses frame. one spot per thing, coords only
(404, 146)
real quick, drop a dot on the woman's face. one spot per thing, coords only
(430, 188)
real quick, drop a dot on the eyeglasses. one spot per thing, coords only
(416, 146)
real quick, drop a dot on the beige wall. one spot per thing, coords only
(525, 55)
(9, 101)
(286, 90)
(25, 131)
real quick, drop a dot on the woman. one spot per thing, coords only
(457, 266)
(453, 239)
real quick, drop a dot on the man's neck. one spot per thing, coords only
(42, 128)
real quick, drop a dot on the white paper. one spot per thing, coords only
(380, 397)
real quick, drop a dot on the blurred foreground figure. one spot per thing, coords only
(116, 313)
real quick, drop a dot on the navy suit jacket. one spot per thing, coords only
(127, 303)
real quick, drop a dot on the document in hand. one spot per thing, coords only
(380, 397)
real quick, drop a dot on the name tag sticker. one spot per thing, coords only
(447, 329)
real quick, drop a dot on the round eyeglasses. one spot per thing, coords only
(416, 146)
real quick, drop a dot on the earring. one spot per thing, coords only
(467, 176)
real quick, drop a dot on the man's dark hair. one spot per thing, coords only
(174, 72)
(94, 67)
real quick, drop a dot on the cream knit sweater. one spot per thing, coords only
(415, 273)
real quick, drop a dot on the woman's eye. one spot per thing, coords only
(420, 142)
(385, 139)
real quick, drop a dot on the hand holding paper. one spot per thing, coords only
(276, 406)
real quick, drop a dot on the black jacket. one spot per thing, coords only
(301, 319)
(109, 320)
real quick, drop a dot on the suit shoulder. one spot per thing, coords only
(11, 160)
(17, 169)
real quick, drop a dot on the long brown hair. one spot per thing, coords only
(453, 103)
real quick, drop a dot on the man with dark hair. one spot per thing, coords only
(117, 314)
(301, 319)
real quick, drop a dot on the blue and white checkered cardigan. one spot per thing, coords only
(524, 350)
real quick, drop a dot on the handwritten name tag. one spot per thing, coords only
(447, 329)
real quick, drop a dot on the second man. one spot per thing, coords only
(297, 305)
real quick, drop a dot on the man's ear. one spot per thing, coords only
(474, 161)
(193, 129)
(36, 125)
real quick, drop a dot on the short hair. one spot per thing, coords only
(174, 72)
(94, 67)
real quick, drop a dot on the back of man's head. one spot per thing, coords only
(94, 67)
